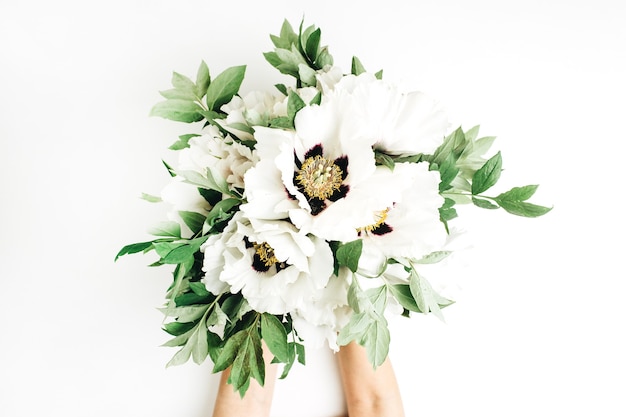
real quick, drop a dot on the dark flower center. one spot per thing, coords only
(379, 227)
(321, 179)
(264, 258)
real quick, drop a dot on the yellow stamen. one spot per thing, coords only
(380, 217)
(266, 253)
(320, 177)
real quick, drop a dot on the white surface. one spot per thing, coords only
(538, 327)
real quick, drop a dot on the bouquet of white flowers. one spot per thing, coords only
(304, 215)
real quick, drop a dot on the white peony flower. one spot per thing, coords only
(396, 122)
(329, 182)
(183, 197)
(411, 227)
(228, 158)
(328, 77)
(256, 108)
(274, 266)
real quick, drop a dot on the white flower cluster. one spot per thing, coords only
(315, 184)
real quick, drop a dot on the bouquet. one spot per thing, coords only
(306, 214)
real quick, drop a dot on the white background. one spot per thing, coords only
(539, 324)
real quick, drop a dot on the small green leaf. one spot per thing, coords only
(175, 94)
(229, 352)
(182, 142)
(203, 79)
(200, 349)
(199, 288)
(376, 342)
(487, 175)
(176, 328)
(193, 220)
(182, 83)
(518, 193)
(317, 99)
(520, 208)
(384, 159)
(294, 104)
(183, 354)
(275, 336)
(151, 198)
(282, 88)
(178, 252)
(402, 293)
(348, 254)
(357, 66)
(134, 248)
(166, 228)
(281, 123)
(224, 87)
(186, 313)
(312, 44)
(479, 202)
(448, 172)
(177, 110)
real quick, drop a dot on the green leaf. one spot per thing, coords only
(193, 220)
(178, 252)
(520, 208)
(275, 336)
(200, 348)
(426, 298)
(182, 83)
(448, 172)
(186, 313)
(294, 105)
(217, 317)
(224, 87)
(151, 198)
(256, 360)
(317, 99)
(176, 328)
(307, 75)
(182, 142)
(178, 110)
(402, 293)
(182, 338)
(229, 352)
(166, 228)
(312, 44)
(175, 94)
(378, 298)
(447, 212)
(199, 288)
(183, 354)
(282, 88)
(348, 254)
(376, 342)
(513, 201)
(357, 66)
(134, 248)
(384, 159)
(479, 202)
(203, 79)
(281, 123)
(518, 193)
(211, 181)
(487, 175)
